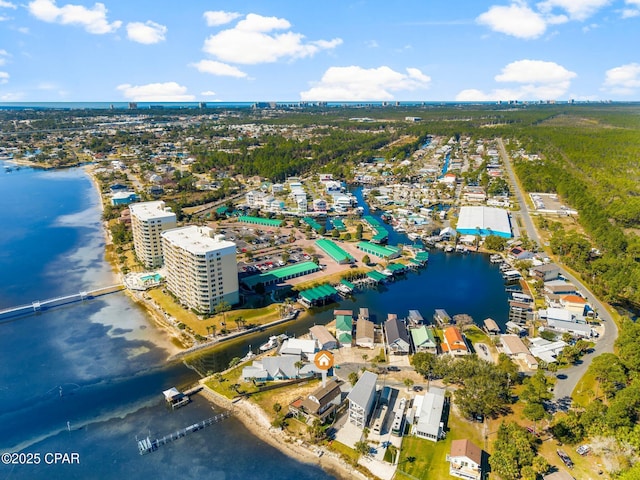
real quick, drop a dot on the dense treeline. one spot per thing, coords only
(594, 167)
(277, 157)
(614, 412)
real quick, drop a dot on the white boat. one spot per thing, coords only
(496, 258)
(448, 249)
(273, 342)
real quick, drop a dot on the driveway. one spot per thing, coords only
(569, 377)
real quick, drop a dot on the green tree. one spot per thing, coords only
(353, 378)
(609, 372)
(366, 260)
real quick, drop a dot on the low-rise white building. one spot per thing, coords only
(428, 413)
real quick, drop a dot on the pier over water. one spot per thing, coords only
(41, 305)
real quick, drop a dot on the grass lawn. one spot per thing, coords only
(257, 316)
(343, 450)
(333, 278)
(223, 384)
(475, 335)
(585, 390)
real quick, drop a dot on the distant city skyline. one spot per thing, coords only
(155, 51)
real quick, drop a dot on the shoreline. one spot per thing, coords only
(257, 423)
(252, 417)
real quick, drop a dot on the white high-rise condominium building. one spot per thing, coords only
(148, 221)
(201, 267)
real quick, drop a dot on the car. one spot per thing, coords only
(565, 458)
(393, 369)
(417, 388)
(583, 449)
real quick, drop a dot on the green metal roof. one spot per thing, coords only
(338, 224)
(396, 267)
(372, 221)
(378, 250)
(423, 337)
(281, 274)
(333, 250)
(267, 222)
(222, 210)
(312, 223)
(377, 276)
(318, 293)
(422, 256)
(344, 323)
(345, 338)
(347, 283)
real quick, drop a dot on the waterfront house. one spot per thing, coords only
(454, 343)
(424, 340)
(344, 327)
(397, 336)
(428, 415)
(545, 272)
(513, 346)
(465, 460)
(325, 340)
(279, 368)
(361, 399)
(365, 333)
(299, 346)
(123, 198)
(415, 318)
(321, 404)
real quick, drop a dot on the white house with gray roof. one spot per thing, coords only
(361, 399)
(428, 413)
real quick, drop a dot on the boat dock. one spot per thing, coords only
(146, 445)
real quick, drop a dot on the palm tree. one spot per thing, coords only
(213, 329)
(299, 364)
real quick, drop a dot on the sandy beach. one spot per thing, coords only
(256, 421)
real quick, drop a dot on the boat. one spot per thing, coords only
(273, 342)
(249, 355)
(496, 258)
(448, 249)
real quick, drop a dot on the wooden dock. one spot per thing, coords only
(146, 445)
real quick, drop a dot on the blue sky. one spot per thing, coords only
(284, 50)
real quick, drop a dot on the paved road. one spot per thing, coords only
(523, 214)
(569, 377)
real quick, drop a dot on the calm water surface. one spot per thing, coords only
(88, 378)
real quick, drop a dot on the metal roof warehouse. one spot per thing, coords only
(278, 275)
(333, 250)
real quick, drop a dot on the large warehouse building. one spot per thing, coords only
(484, 221)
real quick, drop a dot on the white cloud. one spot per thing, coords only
(576, 9)
(4, 77)
(356, 83)
(215, 18)
(521, 21)
(93, 20)
(5, 4)
(371, 44)
(218, 68)
(516, 20)
(250, 42)
(623, 80)
(156, 92)
(147, 33)
(634, 11)
(3, 57)
(208, 93)
(538, 80)
(12, 96)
